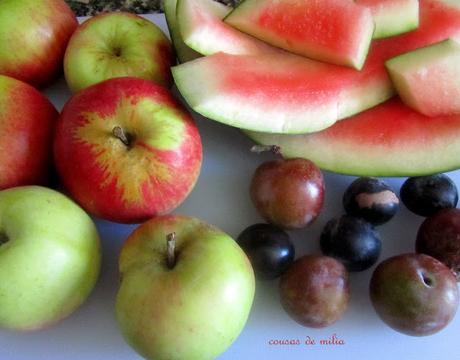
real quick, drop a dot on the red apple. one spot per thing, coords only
(27, 121)
(126, 150)
(34, 35)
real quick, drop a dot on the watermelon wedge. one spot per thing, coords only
(392, 17)
(183, 52)
(223, 95)
(428, 79)
(333, 31)
(202, 29)
(388, 140)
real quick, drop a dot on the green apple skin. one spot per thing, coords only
(49, 257)
(117, 44)
(194, 310)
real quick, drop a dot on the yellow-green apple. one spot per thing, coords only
(33, 37)
(126, 150)
(114, 45)
(27, 122)
(49, 257)
(186, 289)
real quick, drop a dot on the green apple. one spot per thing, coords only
(187, 298)
(115, 45)
(49, 257)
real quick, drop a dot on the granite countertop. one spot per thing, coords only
(93, 7)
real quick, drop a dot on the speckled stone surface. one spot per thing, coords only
(93, 7)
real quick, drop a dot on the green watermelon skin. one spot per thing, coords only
(388, 140)
(334, 31)
(428, 79)
(183, 52)
(392, 17)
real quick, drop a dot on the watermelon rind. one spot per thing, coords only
(388, 140)
(183, 52)
(394, 17)
(202, 29)
(428, 79)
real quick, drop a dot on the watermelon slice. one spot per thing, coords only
(428, 79)
(334, 31)
(388, 140)
(392, 17)
(202, 29)
(218, 98)
(183, 52)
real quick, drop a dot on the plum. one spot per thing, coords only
(269, 249)
(439, 236)
(371, 199)
(314, 290)
(414, 294)
(288, 193)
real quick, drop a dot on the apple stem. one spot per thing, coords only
(118, 132)
(3, 238)
(258, 149)
(171, 247)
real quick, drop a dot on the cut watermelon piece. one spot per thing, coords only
(388, 140)
(271, 92)
(355, 90)
(392, 17)
(334, 31)
(428, 79)
(183, 52)
(202, 29)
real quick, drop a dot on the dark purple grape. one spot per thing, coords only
(353, 241)
(371, 199)
(268, 248)
(425, 195)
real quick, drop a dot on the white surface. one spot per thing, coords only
(221, 198)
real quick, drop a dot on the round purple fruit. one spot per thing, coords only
(371, 199)
(439, 237)
(414, 294)
(314, 290)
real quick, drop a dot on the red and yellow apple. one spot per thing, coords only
(182, 296)
(114, 45)
(33, 37)
(126, 150)
(27, 122)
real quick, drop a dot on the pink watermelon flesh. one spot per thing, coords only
(347, 91)
(428, 79)
(334, 31)
(388, 140)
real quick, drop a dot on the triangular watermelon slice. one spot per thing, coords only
(223, 95)
(202, 29)
(388, 140)
(333, 31)
(392, 17)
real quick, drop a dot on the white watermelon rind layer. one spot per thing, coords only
(183, 52)
(396, 19)
(431, 155)
(198, 83)
(208, 34)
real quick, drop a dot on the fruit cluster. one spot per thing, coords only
(414, 293)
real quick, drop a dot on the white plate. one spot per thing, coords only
(221, 198)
